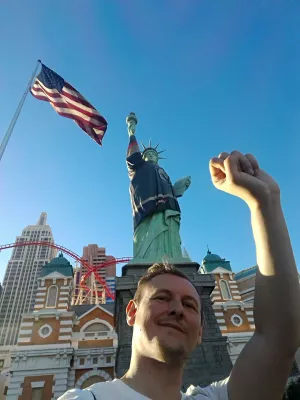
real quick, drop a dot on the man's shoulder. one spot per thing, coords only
(215, 391)
(102, 389)
(117, 389)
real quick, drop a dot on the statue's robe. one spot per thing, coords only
(156, 212)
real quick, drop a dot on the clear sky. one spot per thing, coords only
(202, 77)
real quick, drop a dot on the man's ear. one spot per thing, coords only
(200, 335)
(131, 310)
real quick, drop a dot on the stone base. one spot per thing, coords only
(141, 268)
(210, 361)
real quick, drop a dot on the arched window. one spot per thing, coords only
(51, 297)
(90, 381)
(95, 330)
(225, 290)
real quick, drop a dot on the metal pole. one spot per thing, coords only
(17, 113)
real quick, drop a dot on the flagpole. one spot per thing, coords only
(17, 113)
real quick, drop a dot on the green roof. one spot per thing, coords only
(58, 264)
(212, 261)
(246, 273)
(212, 257)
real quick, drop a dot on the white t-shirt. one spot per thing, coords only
(116, 389)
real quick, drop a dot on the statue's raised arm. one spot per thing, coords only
(133, 146)
(156, 212)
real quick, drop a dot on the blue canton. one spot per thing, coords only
(51, 79)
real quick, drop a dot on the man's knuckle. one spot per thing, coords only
(231, 157)
(233, 180)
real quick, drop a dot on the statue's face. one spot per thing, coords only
(151, 155)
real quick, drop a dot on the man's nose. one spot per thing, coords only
(176, 308)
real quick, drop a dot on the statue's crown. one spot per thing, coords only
(155, 148)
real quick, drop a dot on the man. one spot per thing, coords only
(166, 311)
(156, 212)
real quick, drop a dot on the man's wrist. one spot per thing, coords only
(269, 203)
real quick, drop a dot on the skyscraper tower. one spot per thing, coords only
(20, 279)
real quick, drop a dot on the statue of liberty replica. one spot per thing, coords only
(156, 238)
(155, 208)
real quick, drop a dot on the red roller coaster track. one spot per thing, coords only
(90, 268)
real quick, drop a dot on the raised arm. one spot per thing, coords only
(133, 146)
(263, 367)
(134, 155)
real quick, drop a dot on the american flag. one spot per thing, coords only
(68, 102)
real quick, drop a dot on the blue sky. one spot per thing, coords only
(202, 77)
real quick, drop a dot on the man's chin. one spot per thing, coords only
(172, 353)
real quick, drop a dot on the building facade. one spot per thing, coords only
(5, 365)
(20, 279)
(61, 346)
(245, 281)
(235, 317)
(95, 255)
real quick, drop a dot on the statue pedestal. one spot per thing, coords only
(210, 361)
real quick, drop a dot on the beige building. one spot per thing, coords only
(61, 346)
(235, 317)
(232, 300)
(19, 289)
(245, 280)
(5, 365)
(20, 279)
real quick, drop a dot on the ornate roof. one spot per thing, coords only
(211, 257)
(213, 261)
(83, 308)
(58, 264)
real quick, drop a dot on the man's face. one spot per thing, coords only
(167, 322)
(151, 156)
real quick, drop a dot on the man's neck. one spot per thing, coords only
(154, 379)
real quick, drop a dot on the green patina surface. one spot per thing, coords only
(58, 264)
(213, 261)
(157, 239)
(246, 273)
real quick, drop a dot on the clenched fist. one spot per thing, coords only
(240, 175)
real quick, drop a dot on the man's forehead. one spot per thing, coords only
(172, 283)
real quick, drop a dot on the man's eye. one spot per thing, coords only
(190, 305)
(161, 298)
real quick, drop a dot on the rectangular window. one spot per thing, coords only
(108, 359)
(1, 363)
(37, 393)
(81, 361)
(95, 360)
(89, 334)
(102, 333)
